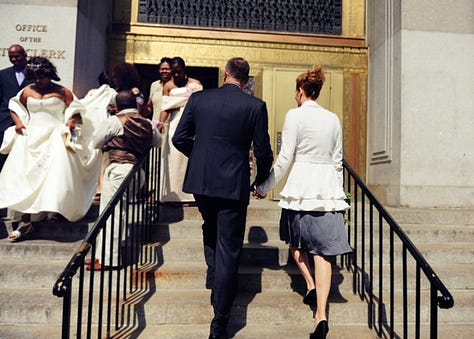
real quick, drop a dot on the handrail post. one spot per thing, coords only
(66, 323)
(433, 312)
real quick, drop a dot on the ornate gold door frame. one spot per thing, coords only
(344, 56)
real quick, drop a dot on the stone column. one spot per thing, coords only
(421, 106)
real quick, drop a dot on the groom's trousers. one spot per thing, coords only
(223, 235)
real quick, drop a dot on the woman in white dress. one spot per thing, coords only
(50, 167)
(155, 101)
(313, 203)
(173, 163)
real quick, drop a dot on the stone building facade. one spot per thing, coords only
(399, 71)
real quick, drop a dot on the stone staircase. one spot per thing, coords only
(269, 302)
(445, 237)
(28, 270)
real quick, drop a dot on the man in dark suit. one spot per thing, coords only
(216, 131)
(12, 79)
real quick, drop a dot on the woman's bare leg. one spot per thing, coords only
(24, 226)
(301, 259)
(323, 275)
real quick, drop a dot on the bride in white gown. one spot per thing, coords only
(50, 167)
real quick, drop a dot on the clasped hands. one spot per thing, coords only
(256, 194)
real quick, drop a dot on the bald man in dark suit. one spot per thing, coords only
(216, 131)
(12, 80)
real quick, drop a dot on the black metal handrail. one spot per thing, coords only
(373, 252)
(102, 305)
(105, 304)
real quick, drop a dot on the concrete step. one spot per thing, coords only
(32, 273)
(166, 307)
(422, 233)
(434, 216)
(427, 216)
(262, 331)
(271, 254)
(256, 232)
(30, 306)
(434, 253)
(145, 331)
(37, 331)
(461, 312)
(461, 279)
(191, 275)
(274, 253)
(258, 210)
(164, 331)
(456, 276)
(182, 306)
(38, 249)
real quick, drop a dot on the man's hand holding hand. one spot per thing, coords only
(257, 194)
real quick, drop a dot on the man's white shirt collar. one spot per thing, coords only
(127, 111)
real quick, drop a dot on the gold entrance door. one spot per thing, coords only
(278, 90)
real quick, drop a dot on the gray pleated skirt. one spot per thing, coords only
(322, 233)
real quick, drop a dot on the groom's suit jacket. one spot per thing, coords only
(216, 131)
(8, 88)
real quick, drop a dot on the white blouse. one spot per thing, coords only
(312, 151)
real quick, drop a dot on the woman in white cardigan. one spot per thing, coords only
(313, 205)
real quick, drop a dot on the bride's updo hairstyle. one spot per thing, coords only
(311, 82)
(40, 67)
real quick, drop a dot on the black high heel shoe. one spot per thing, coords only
(310, 298)
(321, 330)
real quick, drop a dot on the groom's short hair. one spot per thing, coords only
(238, 68)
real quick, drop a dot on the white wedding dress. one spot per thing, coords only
(41, 174)
(173, 162)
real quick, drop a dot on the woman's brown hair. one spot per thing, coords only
(311, 82)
